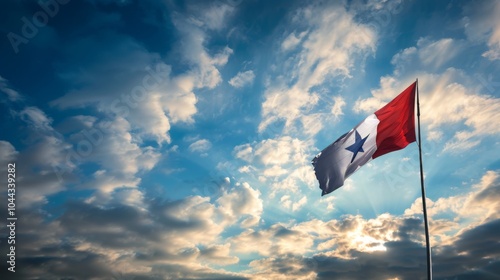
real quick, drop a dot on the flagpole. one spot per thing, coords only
(426, 222)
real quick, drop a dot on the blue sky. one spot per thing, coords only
(173, 139)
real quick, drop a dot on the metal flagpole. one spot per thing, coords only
(426, 222)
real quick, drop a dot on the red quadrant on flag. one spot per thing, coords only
(389, 129)
(397, 123)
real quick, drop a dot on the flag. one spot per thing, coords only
(389, 129)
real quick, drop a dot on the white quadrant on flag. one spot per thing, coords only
(346, 155)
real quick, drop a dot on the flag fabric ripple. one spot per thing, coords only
(389, 129)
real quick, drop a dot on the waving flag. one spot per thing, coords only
(389, 129)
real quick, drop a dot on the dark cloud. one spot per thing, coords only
(473, 255)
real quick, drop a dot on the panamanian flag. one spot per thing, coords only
(389, 129)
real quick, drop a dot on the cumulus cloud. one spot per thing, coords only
(243, 202)
(118, 156)
(242, 79)
(283, 157)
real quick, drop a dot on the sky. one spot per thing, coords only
(174, 139)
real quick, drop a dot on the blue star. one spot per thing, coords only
(357, 146)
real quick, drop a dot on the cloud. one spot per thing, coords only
(277, 240)
(277, 151)
(42, 158)
(193, 50)
(12, 94)
(338, 105)
(287, 203)
(7, 153)
(482, 25)
(243, 202)
(143, 91)
(429, 54)
(274, 153)
(201, 146)
(119, 158)
(34, 117)
(165, 232)
(481, 203)
(282, 162)
(179, 100)
(218, 254)
(329, 50)
(292, 41)
(139, 91)
(299, 204)
(242, 79)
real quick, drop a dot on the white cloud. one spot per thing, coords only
(338, 105)
(150, 117)
(274, 153)
(299, 204)
(312, 123)
(147, 95)
(286, 202)
(36, 118)
(192, 48)
(244, 152)
(437, 53)
(201, 146)
(119, 157)
(283, 160)
(7, 153)
(144, 92)
(292, 40)
(428, 54)
(241, 202)
(482, 24)
(179, 100)
(242, 79)
(482, 202)
(330, 49)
